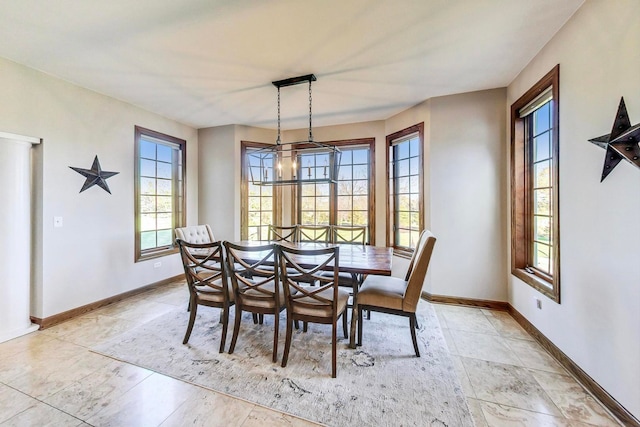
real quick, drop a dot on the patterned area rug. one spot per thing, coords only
(382, 383)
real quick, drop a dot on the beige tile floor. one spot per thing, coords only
(50, 378)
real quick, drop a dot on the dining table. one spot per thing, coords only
(357, 260)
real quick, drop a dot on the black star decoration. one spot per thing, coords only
(621, 143)
(95, 176)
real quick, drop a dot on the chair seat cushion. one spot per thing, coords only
(207, 293)
(255, 298)
(382, 291)
(315, 308)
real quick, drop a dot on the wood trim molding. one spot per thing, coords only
(589, 383)
(47, 322)
(468, 302)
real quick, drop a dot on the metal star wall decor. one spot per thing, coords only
(95, 176)
(621, 143)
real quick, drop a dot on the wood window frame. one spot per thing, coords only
(179, 219)
(521, 216)
(244, 190)
(333, 200)
(419, 129)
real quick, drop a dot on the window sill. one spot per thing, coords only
(403, 253)
(543, 286)
(156, 254)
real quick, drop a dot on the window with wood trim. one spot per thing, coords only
(159, 192)
(350, 201)
(405, 212)
(535, 244)
(260, 204)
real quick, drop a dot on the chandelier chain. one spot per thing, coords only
(278, 140)
(310, 134)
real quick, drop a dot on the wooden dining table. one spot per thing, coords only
(358, 260)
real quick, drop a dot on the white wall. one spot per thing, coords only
(467, 178)
(92, 256)
(597, 323)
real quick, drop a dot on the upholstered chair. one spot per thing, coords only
(195, 234)
(393, 295)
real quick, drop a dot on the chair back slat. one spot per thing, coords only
(315, 262)
(418, 272)
(354, 235)
(252, 269)
(314, 233)
(203, 265)
(279, 233)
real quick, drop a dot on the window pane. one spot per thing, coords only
(541, 202)
(147, 186)
(541, 118)
(344, 203)
(404, 220)
(541, 173)
(147, 240)
(345, 188)
(147, 168)
(254, 219)
(541, 253)
(415, 235)
(164, 237)
(147, 149)
(414, 166)
(267, 203)
(403, 238)
(147, 203)
(414, 184)
(345, 173)
(360, 172)
(165, 220)
(308, 190)
(415, 202)
(403, 185)
(147, 222)
(164, 170)
(344, 218)
(414, 144)
(402, 150)
(403, 168)
(360, 188)
(541, 228)
(415, 220)
(542, 147)
(322, 217)
(164, 203)
(308, 217)
(254, 233)
(266, 218)
(403, 202)
(164, 153)
(308, 203)
(322, 203)
(361, 156)
(322, 189)
(164, 187)
(346, 158)
(360, 217)
(360, 203)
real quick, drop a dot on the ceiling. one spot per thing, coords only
(210, 62)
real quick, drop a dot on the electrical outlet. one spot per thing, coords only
(538, 303)
(157, 264)
(57, 221)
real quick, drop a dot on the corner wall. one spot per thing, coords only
(597, 323)
(92, 256)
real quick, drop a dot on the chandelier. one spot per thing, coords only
(300, 162)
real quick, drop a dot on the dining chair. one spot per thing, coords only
(314, 233)
(323, 304)
(396, 296)
(256, 286)
(278, 233)
(207, 281)
(353, 235)
(195, 234)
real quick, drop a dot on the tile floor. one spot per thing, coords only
(50, 378)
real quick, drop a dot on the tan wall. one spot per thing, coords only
(92, 256)
(597, 323)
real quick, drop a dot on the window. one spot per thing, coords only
(159, 192)
(405, 200)
(260, 204)
(534, 191)
(349, 202)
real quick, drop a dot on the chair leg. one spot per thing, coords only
(192, 319)
(359, 326)
(344, 324)
(304, 326)
(368, 314)
(334, 336)
(287, 341)
(236, 328)
(255, 318)
(297, 324)
(276, 325)
(225, 324)
(261, 319)
(412, 324)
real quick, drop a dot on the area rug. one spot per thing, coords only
(381, 383)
